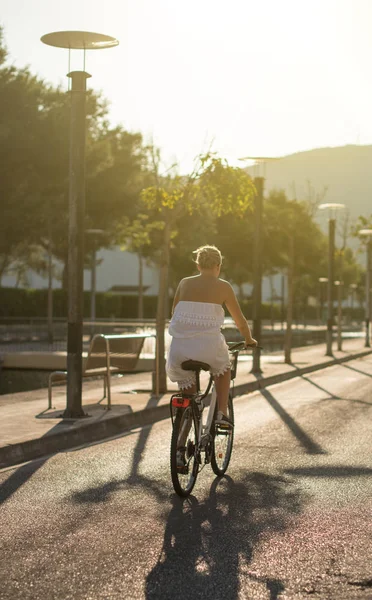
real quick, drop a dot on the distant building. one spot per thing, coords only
(116, 271)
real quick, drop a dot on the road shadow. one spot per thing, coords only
(209, 545)
(22, 474)
(101, 493)
(332, 396)
(357, 370)
(18, 478)
(321, 388)
(330, 471)
(309, 445)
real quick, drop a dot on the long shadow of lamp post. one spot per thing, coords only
(332, 208)
(259, 179)
(367, 233)
(76, 40)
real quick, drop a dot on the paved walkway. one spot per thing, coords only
(29, 430)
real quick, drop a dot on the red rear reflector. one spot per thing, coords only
(180, 402)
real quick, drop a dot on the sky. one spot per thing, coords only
(263, 78)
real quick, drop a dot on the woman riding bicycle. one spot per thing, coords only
(195, 327)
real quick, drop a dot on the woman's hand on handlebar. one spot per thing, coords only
(250, 342)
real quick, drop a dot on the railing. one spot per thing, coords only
(28, 335)
(109, 355)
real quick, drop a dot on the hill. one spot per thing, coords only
(345, 171)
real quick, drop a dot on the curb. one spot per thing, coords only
(14, 454)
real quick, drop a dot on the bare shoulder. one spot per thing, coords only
(185, 280)
(226, 289)
(225, 285)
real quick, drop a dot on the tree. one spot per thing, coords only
(235, 235)
(20, 98)
(137, 236)
(213, 185)
(34, 166)
(295, 242)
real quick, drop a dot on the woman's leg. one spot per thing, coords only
(222, 383)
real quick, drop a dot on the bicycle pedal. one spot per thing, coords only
(223, 431)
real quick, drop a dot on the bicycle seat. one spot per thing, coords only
(194, 365)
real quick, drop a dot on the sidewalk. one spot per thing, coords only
(28, 430)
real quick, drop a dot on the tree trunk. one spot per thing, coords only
(18, 279)
(166, 296)
(3, 267)
(160, 312)
(50, 297)
(140, 286)
(282, 304)
(288, 332)
(65, 275)
(271, 301)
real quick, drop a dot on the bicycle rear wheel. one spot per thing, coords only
(223, 440)
(184, 437)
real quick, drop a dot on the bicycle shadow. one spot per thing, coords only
(209, 545)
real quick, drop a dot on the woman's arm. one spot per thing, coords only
(235, 311)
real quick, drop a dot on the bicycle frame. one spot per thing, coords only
(196, 434)
(185, 399)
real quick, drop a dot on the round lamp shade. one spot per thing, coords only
(79, 40)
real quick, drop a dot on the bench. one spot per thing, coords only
(107, 355)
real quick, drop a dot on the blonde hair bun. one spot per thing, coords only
(208, 257)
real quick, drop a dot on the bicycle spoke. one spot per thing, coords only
(184, 463)
(223, 444)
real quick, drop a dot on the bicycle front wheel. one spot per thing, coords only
(223, 443)
(183, 454)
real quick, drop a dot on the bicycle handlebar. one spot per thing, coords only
(237, 346)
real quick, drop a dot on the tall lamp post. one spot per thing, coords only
(332, 208)
(259, 181)
(76, 40)
(367, 234)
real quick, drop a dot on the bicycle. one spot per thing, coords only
(194, 443)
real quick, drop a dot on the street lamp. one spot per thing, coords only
(76, 40)
(332, 207)
(257, 255)
(367, 233)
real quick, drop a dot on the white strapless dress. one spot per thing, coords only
(196, 335)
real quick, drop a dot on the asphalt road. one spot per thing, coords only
(291, 520)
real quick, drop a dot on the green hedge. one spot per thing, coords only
(33, 303)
